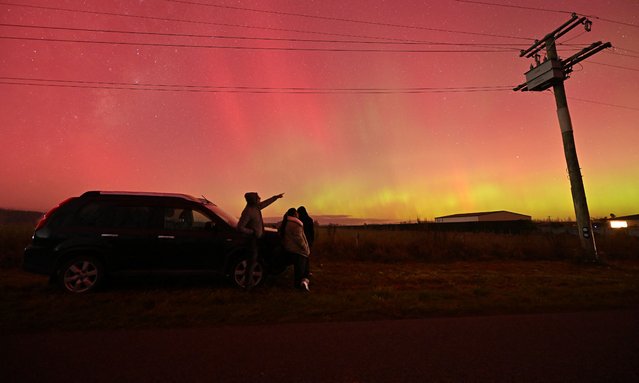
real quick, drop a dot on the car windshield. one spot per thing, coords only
(232, 221)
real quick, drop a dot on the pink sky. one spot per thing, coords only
(394, 155)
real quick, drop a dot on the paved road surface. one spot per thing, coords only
(574, 347)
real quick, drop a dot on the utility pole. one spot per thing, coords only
(552, 72)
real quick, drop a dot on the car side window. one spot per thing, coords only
(131, 217)
(106, 215)
(94, 214)
(186, 219)
(201, 221)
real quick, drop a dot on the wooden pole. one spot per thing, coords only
(584, 225)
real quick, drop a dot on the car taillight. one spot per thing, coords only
(47, 215)
(41, 221)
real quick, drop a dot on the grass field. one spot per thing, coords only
(358, 274)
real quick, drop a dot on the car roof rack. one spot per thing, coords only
(137, 193)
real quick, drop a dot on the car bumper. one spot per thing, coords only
(38, 260)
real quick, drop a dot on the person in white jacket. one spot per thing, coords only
(294, 242)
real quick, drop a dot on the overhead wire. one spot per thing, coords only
(613, 66)
(573, 38)
(214, 23)
(617, 47)
(238, 47)
(550, 91)
(615, 21)
(264, 90)
(621, 54)
(238, 89)
(192, 88)
(195, 21)
(604, 103)
(251, 90)
(513, 6)
(547, 10)
(505, 46)
(280, 13)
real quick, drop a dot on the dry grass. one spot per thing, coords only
(358, 274)
(13, 239)
(368, 244)
(340, 290)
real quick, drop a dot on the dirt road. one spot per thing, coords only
(571, 347)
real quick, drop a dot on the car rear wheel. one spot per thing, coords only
(81, 274)
(239, 273)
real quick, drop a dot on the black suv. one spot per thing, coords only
(85, 239)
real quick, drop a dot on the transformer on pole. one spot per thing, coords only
(552, 72)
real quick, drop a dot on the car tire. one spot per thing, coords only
(81, 274)
(238, 273)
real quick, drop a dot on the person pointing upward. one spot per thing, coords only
(251, 224)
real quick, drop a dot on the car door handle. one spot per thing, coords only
(166, 236)
(108, 235)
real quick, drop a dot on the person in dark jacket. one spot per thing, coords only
(309, 231)
(295, 244)
(251, 224)
(309, 226)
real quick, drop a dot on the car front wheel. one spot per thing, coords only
(81, 274)
(240, 271)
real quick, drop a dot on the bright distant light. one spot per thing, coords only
(618, 224)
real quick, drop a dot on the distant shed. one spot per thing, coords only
(625, 221)
(487, 216)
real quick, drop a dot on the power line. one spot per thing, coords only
(250, 90)
(344, 19)
(597, 102)
(547, 10)
(238, 89)
(208, 23)
(572, 49)
(194, 21)
(615, 66)
(616, 22)
(257, 48)
(604, 103)
(58, 83)
(617, 47)
(513, 6)
(506, 46)
(573, 38)
(621, 54)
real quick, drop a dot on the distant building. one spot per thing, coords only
(488, 216)
(625, 221)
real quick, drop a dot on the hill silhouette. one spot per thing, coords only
(9, 216)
